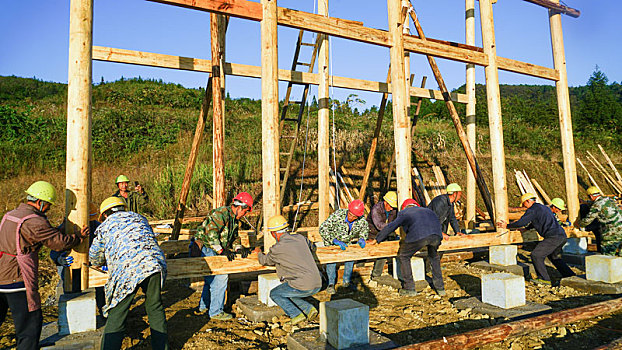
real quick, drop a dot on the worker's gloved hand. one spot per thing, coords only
(230, 254)
(341, 245)
(105, 268)
(85, 232)
(64, 260)
(243, 251)
(361, 242)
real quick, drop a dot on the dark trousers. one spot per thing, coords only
(378, 267)
(550, 247)
(117, 316)
(406, 252)
(27, 324)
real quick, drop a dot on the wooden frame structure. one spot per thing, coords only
(400, 44)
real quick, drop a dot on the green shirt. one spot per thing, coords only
(219, 230)
(337, 227)
(135, 201)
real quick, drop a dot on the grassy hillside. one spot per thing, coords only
(144, 129)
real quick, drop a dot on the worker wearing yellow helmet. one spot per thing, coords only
(444, 207)
(136, 199)
(607, 212)
(23, 231)
(545, 223)
(381, 214)
(292, 255)
(557, 206)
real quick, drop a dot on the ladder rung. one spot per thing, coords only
(284, 153)
(288, 136)
(296, 102)
(291, 119)
(303, 64)
(307, 44)
(283, 169)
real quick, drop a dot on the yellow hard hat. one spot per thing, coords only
(43, 190)
(527, 196)
(593, 190)
(453, 187)
(110, 202)
(391, 198)
(277, 223)
(121, 178)
(558, 203)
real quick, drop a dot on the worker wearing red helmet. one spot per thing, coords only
(342, 227)
(423, 229)
(218, 235)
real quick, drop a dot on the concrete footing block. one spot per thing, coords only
(256, 311)
(477, 306)
(266, 283)
(503, 290)
(77, 312)
(520, 269)
(603, 268)
(309, 340)
(417, 265)
(594, 287)
(346, 323)
(503, 255)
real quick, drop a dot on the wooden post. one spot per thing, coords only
(323, 146)
(565, 119)
(269, 115)
(494, 112)
(192, 158)
(77, 195)
(401, 100)
(470, 110)
(218, 77)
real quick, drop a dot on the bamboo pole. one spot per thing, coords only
(77, 194)
(494, 334)
(192, 158)
(589, 175)
(269, 115)
(545, 196)
(565, 119)
(323, 145)
(456, 120)
(602, 171)
(401, 100)
(218, 115)
(470, 109)
(613, 167)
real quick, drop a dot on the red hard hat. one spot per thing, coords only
(356, 207)
(245, 198)
(408, 202)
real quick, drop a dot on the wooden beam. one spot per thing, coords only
(356, 31)
(323, 117)
(494, 334)
(217, 28)
(613, 167)
(77, 175)
(269, 116)
(201, 65)
(556, 7)
(470, 110)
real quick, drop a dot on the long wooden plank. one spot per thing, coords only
(356, 31)
(557, 7)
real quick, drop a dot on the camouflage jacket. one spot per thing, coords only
(135, 201)
(336, 227)
(608, 214)
(219, 230)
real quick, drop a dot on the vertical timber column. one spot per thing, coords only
(77, 195)
(494, 112)
(401, 100)
(470, 110)
(269, 116)
(565, 120)
(323, 147)
(218, 110)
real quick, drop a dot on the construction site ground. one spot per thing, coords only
(405, 320)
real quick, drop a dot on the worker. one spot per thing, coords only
(292, 254)
(135, 200)
(23, 232)
(607, 212)
(381, 214)
(557, 206)
(545, 223)
(423, 229)
(218, 235)
(126, 244)
(339, 229)
(443, 207)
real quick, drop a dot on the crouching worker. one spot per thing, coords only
(292, 254)
(127, 245)
(423, 229)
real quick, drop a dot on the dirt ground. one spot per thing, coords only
(404, 320)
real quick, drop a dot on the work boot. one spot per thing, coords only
(301, 317)
(331, 289)
(441, 292)
(223, 316)
(541, 281)
(408, 292)
(311, 314)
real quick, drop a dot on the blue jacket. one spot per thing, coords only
(542, 219)
(417, 222)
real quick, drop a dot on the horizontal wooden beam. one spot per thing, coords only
(201, 65)
(557, 7)
(217, 265)
(356, 31)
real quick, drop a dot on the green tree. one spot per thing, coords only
(599, 110)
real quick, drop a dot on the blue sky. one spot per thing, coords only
(35, 40)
